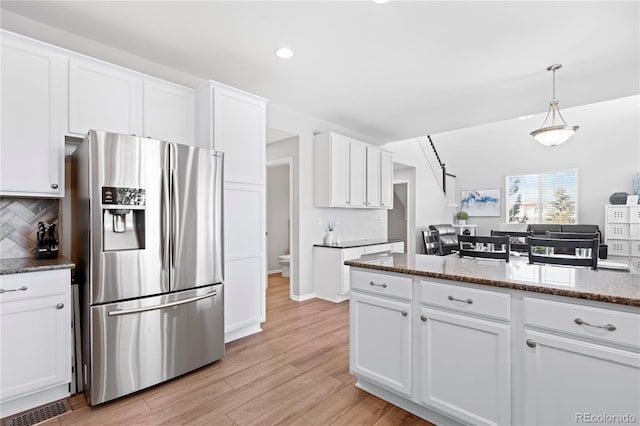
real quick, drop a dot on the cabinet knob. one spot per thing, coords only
(54, 185)
(531, 343)
(404, 313)
(348, 202)
(60, 306)
(423, 318)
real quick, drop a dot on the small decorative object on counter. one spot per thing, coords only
(636, 184)
(462, 217)
(618, 198)
(330, 237)
(47, 241)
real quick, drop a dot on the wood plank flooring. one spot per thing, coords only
(296, 372)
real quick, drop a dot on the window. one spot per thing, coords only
(543, 198)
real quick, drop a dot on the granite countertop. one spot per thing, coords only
(620, 287)
(359, 243)
(29, 264)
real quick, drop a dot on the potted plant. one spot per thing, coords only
(462, 217)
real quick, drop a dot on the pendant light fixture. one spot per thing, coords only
(555, 133)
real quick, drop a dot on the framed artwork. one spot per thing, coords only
(480, 202)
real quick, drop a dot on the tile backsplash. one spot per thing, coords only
(19, 219)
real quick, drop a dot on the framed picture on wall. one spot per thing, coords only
(481, 202)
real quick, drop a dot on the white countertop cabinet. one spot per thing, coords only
(35, 320)
(493, 356)
(33, 119)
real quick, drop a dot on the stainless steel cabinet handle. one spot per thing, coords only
(404, 313)
(423, 317)
(117, 312)
(469, 301)
(174, 218)
(60, 306)
(609, 327)
(54, 185)
(531, 343)
(383, 285)
(23, 288)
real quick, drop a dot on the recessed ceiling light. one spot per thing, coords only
(380, 1)
(284, 53)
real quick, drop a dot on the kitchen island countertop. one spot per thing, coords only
(359, 243)
(30, 264)
(612, 286)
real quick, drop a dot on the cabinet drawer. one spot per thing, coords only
(381, 283)
(617, 230)
(634, 214)
(34, 284)
(618, 214)
(379, 248)
(352, 253)
(618, 247)
(562, 317)
(635, 248)
(463, 299)
(634, 231)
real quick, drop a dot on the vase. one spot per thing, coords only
(329, 239)
(462, 221)
(636, 184)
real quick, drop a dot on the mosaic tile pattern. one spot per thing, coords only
(19, 219)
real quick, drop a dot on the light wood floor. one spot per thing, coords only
(295, 372)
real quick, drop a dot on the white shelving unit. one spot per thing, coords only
(622, 233)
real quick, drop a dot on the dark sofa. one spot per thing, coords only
(540, 230)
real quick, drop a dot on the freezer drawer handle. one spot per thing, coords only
(166, 305)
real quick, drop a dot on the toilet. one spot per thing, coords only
(284, 261)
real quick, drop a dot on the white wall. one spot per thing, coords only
(429, 198)
(277, 214)
(605, 150)
(355, 224)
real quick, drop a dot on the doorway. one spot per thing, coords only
(279, 208)
(398, 217)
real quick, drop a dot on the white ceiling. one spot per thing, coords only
(390, 72)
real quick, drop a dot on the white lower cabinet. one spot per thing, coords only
(567, 381)
(465, 367)
(483, 356)
(381, 341)
(35, 323)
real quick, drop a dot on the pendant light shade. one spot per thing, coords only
(555, 133)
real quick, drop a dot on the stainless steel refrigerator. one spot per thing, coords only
(148, 244)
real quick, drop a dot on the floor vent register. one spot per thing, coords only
(39, 414)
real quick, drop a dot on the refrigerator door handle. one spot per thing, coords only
(174, 218)
(117, 312)
(164, 206)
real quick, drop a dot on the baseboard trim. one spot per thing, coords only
(303, 297)
(274, 271)
(239, 333)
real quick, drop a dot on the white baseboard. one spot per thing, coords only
(239, 333)
(274, 271)
(303, 297)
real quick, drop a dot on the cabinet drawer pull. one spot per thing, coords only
(23, 288)
(531, 343)
(404, 313)
(609, 327)
(469, 301)
(60, 306)
(383, 285)
(423, 317)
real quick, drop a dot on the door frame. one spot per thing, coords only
(289, 162)
(409, 209)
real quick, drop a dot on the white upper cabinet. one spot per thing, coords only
(373, 177)
(33, 119)
(386, 180)
(104, 97)
(357, 173)
(169, 112)
(350, 173)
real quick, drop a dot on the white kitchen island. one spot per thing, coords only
(469, 341)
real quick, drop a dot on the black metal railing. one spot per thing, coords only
(442, 165)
